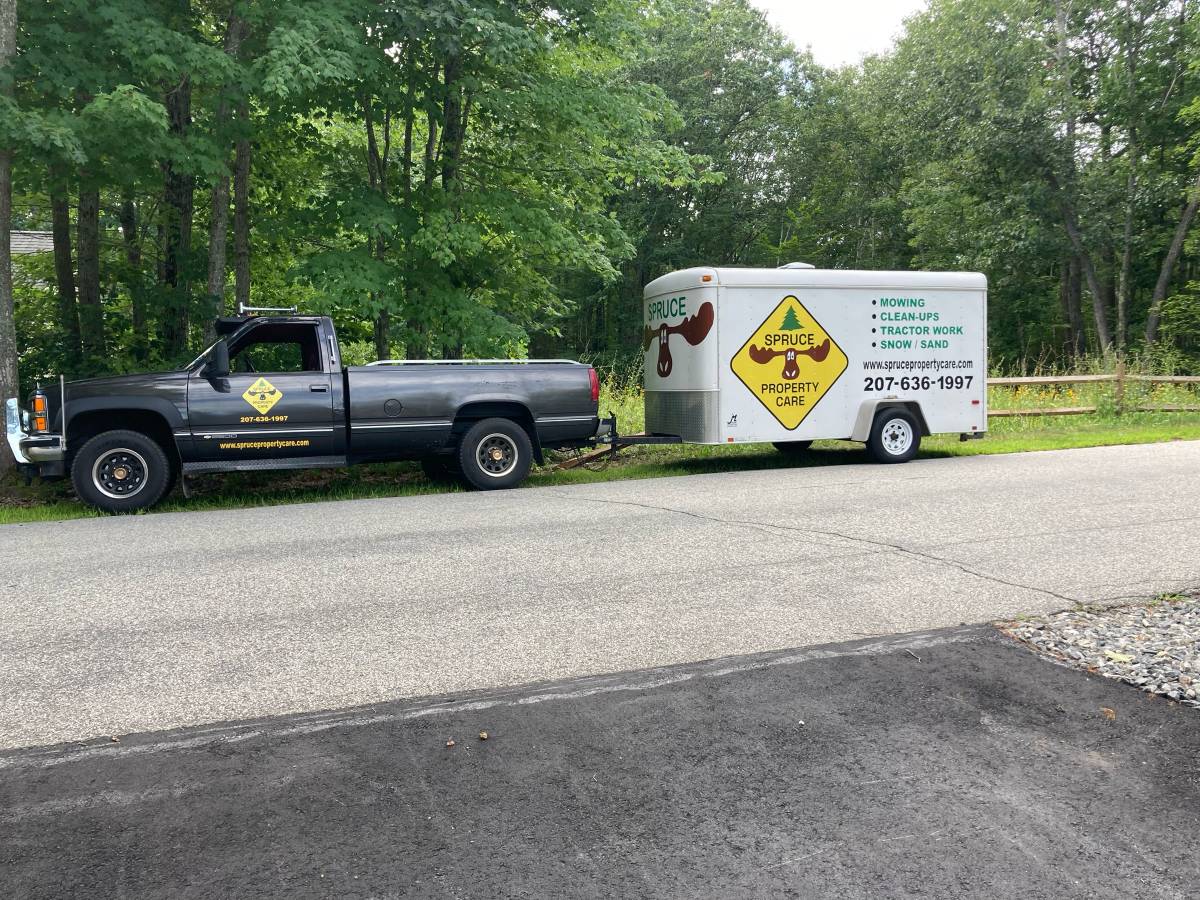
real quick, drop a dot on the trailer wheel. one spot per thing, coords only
(442, 469)
(121, 471)
(792, 448)
(895, 436)
(494, 454)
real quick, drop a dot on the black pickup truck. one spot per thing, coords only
(272, 393)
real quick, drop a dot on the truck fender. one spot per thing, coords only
(867, 410)
(515, 407)
(164, 408)
(159, 417)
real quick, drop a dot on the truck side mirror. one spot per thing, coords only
(218, 360)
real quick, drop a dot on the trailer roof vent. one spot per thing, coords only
(797, 265)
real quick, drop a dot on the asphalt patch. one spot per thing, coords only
(948, 764)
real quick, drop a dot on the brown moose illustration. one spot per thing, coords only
(791, 370)
(694, 330)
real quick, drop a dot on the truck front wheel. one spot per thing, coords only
(121, 471)
(494, 454)
(895, 436)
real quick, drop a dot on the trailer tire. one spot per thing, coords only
(895, 436)
(121, 471)
(792, 448)
(495, 454)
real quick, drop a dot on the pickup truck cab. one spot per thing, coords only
(272, 393)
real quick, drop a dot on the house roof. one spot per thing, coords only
(32, 242)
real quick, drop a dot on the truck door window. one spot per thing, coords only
(278, 347)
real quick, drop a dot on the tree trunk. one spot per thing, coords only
(133, 258)
(64, 267)
(453, 126)
(1071, 225)
(241, 213)
(91, 313)
(1167, 270)
(218, 227)
(218, 231)
(431, 138)
(1099, 296)
(179, 190)
(1125, 278)
(9, 385)
(1074, 304)
(382, 344)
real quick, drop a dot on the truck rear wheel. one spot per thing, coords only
(895, 436)
(494, 454)
(121, 471)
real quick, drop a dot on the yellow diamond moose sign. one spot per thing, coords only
(789, 363)
(262, 395)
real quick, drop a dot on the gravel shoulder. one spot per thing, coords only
(1154, 647)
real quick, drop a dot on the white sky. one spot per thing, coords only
(840, 32)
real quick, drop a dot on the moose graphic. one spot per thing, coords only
(694, 330)
(791, 370)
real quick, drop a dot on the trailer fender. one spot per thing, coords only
(866, 416)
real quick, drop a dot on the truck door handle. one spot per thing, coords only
(318, 388)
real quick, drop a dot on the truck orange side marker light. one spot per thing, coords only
(39, 412)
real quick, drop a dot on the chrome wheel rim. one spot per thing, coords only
(496, 455)
(119, 473)
(896, 437)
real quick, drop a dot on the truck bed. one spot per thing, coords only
(410, 408)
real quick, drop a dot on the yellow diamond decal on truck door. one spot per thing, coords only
(789, 363)
(262, 395)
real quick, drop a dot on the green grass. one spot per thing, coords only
(54, 500)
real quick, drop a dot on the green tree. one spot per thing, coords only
(8, 333)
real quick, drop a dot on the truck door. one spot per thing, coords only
(276, 402)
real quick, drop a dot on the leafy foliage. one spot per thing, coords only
(484, 177)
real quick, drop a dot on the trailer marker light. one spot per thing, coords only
(706, 278)
(974, 402)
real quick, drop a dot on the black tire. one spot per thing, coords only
(121, 471)
(895, 436)
(442, 469)
(792, 447)
(495, 454)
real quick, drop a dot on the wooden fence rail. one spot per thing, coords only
(1121, 379)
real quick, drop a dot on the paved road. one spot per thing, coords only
(116, 625)
(939, 765)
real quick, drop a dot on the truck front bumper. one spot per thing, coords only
(30, 449)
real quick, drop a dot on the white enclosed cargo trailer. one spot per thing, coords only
(795, 354)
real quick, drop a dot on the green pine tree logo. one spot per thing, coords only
(790, 321)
